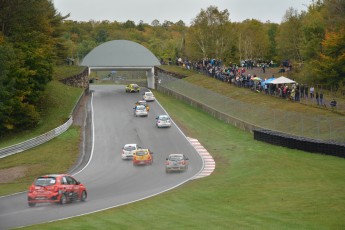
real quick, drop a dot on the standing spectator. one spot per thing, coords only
(285, 91)
(297, 95)
(312, 92)
(293, 94)
(302, 91)
(317, 98)
(321, 98)
(306, 91)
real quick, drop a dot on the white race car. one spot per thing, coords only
(148, 96)
(140, 110)
(128, 150)
(163, 121)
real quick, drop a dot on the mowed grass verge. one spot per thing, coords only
(255, 186)
(56, 156)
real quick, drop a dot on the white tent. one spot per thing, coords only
(282, 80)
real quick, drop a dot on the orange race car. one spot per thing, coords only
(142, 157)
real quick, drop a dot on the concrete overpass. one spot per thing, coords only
(122, 55)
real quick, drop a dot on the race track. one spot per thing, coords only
(111, 181)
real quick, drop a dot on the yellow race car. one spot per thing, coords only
(132, 88)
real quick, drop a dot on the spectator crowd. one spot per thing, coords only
(236, 75)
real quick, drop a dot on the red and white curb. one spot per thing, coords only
(209, 164)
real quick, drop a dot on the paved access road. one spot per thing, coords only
(111, 181)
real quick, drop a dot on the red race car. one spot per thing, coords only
(56, 188)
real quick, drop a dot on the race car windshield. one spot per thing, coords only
(175, 158)
(141, 153)
(141, 107)
(129, 148)
(45, 181)
(164, 118)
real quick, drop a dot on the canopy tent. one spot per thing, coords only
(256, 79)
(268, 81)
(282, 80)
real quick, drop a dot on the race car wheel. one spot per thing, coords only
(32, 204)
(63, 199)
(83, 196)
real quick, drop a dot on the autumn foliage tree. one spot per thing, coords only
(208, 34)
(331, 64)
(30, 37)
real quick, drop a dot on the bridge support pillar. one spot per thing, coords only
(150, 78)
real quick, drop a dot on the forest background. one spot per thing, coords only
(34, 38)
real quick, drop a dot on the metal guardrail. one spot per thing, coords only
(33, 142)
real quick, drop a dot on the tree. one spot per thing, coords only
(330, 68)
(101, 36)
(313, 31)
(208, 32)
(253, 40)
(141, 25)
(335, 14)
(272, 33)
(180, 23)
(155, 23)
(129, 24)
(31, 34)
(289, 37)
(167, 24)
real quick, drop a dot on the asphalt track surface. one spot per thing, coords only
(111, 181)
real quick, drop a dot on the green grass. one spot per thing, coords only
(51, 156)
(176, 69)
(62, 72)
(56, 156)
(57, 107)
(255, 186)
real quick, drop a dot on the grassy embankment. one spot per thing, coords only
(51, 156)
(255, 185)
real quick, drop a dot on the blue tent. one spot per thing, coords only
(268, 81)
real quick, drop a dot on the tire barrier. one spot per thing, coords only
(301, 143)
